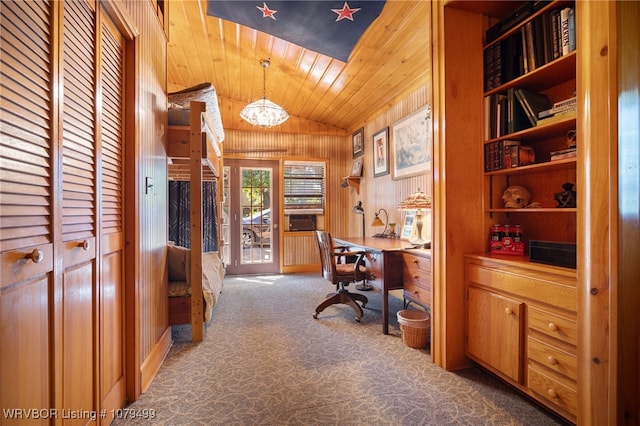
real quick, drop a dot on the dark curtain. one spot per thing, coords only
(179, 227)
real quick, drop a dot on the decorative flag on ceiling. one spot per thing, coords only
(328, 27)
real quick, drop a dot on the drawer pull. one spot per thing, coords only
(84, 245)
(552, 394)
(508, 311)
(36, 256)
(415, 261)
(553, 327)
(415, 277)
(552, 360)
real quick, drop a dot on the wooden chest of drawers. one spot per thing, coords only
(416, 277)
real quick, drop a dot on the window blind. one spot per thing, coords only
(304, 187)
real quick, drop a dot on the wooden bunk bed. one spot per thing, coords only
(195, 155)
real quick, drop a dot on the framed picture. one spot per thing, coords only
(407, 228)
(356, 168)
(357, 142)
(381, 153)
(412, 144)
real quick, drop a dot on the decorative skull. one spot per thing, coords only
(516, 197)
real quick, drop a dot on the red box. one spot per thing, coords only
(507, 243)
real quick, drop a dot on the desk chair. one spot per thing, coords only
(341, 274)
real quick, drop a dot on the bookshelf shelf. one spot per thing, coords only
(566, 163)
(550, 74)
(534, 210)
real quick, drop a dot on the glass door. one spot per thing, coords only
(254, 214)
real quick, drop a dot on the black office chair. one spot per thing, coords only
(341, 274)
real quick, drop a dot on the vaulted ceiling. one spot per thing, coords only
(321, 94)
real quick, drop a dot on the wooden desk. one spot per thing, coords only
(384, 262)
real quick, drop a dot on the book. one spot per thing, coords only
(532, 103)
(563, 153)
(572, 29)
(504, 25)
(564, 28)
(565, 105)
(522, 156)
(554, 18)
(564, 115)
(507, 146)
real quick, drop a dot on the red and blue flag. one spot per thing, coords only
(329, 27)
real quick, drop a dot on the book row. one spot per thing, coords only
(507, 154)
(539, 41)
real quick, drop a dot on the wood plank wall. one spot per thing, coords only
(375, 193)
(151, 120)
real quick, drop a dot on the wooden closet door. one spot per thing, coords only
(79, 207)
(26, 204)
(111, 284)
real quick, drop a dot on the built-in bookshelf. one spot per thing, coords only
(521, 127)
(520, 311)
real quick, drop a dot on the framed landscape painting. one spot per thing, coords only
(412, 144)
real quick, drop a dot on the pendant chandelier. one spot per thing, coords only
(263, 112)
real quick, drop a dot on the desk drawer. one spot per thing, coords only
(417, 293)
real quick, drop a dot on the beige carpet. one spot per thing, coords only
(266, 361)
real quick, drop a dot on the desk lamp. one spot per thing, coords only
(417, 201)
(358, 209)
(378, 222)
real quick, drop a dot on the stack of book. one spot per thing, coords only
(563, 153)
(566, 107)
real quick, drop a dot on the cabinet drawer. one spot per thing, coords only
(417, 293)
(553, 326)
(551, 390)
(555, 359)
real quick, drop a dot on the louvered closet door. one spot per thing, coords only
(25, 206)
(112, 384)
(78, 207)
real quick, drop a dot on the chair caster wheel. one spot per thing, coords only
(315, 315)
(357, 319)
(364, 305)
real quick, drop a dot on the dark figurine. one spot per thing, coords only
(566, 198)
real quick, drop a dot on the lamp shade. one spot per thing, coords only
(377, 221)
(264, 113)
(416, 201)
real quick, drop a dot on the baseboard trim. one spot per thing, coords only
(153, 362)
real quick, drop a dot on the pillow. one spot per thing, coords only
(179, 260)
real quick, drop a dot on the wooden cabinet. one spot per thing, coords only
(495, 337)
(416, 277)
(522, 326)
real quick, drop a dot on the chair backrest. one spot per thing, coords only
(327, 259)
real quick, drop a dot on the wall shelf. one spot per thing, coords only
(352, 181)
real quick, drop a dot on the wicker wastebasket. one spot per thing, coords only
(414, 327)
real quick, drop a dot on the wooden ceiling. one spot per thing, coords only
(321, 94)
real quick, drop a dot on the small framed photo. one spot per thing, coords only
(407, 228)
(357, 142)
(381, 153)
(356, 168)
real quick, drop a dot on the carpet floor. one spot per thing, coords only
(266, 361)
